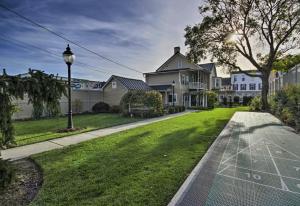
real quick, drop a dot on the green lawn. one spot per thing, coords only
(141, 166)
(28, 132)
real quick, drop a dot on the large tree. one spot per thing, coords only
(257, 31)
(41, 88)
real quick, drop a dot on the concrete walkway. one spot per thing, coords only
(27, 150)
(254, 161)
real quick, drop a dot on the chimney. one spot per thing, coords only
(176, 50)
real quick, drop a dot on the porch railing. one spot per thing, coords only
(197, 85)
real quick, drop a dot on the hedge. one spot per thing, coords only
(142, 103)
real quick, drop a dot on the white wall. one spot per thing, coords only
(247, 80)
(87, 98)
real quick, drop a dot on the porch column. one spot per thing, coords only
(166, 98)
(190, 104)
(203, 100)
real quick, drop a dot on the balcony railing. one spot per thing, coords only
(197, 85)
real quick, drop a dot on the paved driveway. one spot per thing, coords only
(254, 161)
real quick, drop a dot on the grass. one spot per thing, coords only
(141, 166)
(28, 132)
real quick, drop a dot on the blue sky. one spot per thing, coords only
(138, 33)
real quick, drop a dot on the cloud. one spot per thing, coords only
(137, 33)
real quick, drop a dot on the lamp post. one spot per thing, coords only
(69, 58)
(173, 85)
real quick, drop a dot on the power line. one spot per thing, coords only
(67, 39)
(25, 46)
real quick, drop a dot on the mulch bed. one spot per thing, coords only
(28, 180)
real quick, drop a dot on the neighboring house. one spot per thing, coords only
(225, 93)
(116, 86)
(245, 85)
(191, 80)
(279, 79)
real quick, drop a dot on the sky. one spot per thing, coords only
(140, 34)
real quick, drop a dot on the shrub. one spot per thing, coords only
(6, 174)
(115, 109)
(100, 107)
(236, 99)
(255, 104)
(285, 105)
(287, 117)
(247, 100)
(211, 99)
(142, 103)
(175, 109)
(225, 100)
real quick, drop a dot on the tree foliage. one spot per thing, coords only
(258, 31)
(287, 62)
(41, 88)
(146, 103)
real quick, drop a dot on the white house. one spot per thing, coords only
(244, 85)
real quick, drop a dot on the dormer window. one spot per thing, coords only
(179, 63)
(114, 84)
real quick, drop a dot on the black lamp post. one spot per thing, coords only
(69, 58)
(173, 85)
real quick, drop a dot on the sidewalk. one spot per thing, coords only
(27, 150)
(254, 161)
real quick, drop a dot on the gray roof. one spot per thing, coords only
(161, 87)
(208, 66)
(226, 81)
(132, 84)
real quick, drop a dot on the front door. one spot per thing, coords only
(193, 100)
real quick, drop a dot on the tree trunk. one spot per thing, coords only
(265, 91)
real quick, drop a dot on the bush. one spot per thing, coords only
(142, 103)
(255, 104)
(6, 174)
(115, 109)
(225, 101)
(247, 100)
(287, 117)
(175, 109)
(285, 105)
(211, 99)
(236, 99)
(100, 107)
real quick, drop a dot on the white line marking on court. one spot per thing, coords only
(242, 151)
(225, 149)
(252, 170)
(238, 146)
(227, 166)
(286, 159)
(258, 183)
(293, 154)
(283, 185)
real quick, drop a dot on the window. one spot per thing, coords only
(186, 80)
(234, 78)
(170, 98)
(179, 63)
(182, 79)
(252, 86)
(243, 78)
(243, 87)
(217, 83)
(114, 84)
(235, 87)
(259, 86)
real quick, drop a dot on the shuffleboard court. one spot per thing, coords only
(254, 161)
